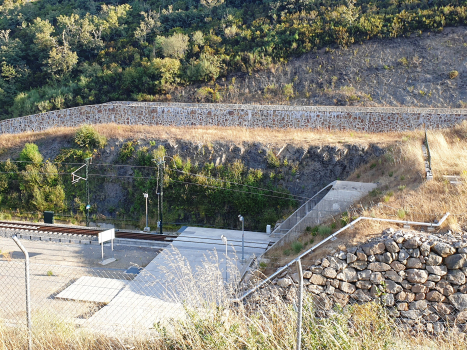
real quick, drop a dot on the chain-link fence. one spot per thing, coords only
(110, 301)
(149, 301)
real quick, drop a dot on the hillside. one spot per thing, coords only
(211, 175)
(413, 71)
(55, 55)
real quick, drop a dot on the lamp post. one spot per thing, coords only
(146, 229)
(243, 238)
(224, 239)
(160, 175)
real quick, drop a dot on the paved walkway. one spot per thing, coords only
(191, 268)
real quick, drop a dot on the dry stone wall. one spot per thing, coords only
(369, 119)
(420, 277)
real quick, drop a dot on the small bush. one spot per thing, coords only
(127, 151)
(324, 230)
(314, 231)
(30, 153)
(272, 159)
(401, 214)
(288, 90)
(453, 74)
(262, 265)
(286, 252)
(403, 61)
(143, 158)
(88, 137)
(297, 247)
(373, 165)
(159, 153)
(333, 226)
(401, 187)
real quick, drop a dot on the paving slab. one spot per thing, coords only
(94, 289)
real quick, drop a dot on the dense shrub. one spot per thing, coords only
(88, 137)
(30, 153)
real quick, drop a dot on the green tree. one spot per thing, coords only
(42, 188)
(42, 30)
(148, 26)
(175, 46)
(61, 61)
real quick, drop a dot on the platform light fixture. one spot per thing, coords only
(146, 229)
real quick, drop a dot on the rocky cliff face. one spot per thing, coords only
(300, 169)
(420, 277)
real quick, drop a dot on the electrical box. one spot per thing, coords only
(49, 217)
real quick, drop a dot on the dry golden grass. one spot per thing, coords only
(211, 134)
(403, 193)
(263, 323)
(449, 150)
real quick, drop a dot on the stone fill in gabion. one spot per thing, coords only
(366, 119)
(420, 277)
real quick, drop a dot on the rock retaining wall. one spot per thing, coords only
(420, 277)
(370, 119)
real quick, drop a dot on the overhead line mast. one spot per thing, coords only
(76, 178)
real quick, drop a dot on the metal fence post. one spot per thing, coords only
(28, 290)
(300, 304)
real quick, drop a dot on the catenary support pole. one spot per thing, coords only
(28, 290)
(88, 206)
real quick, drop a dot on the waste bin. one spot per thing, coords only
(48, 217)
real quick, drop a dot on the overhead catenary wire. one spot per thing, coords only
(192, 183)
(236, 183)
(177, 170)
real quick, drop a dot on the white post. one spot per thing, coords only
(102, 250)
(224, 239)
(146, 229)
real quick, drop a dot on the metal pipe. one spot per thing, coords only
(28, 290)
(429, 224)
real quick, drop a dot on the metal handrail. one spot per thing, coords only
(300, 208)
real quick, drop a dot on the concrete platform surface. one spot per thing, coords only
(158, 292)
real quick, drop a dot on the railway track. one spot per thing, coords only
(77, 232)
(83, 235)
